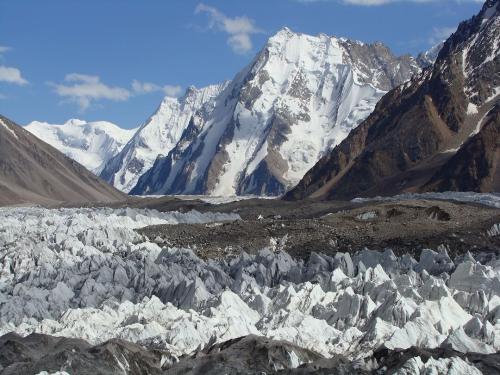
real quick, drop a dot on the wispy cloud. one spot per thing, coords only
(148, 87)
(84, 89)
(239, 29)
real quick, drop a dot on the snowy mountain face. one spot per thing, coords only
(91, 144)
(85, 273)
(156, 137)
(437, 132)
(299, 98)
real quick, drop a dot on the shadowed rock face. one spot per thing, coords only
(428, 133)
(31, 171)
(297, 99)
(476, 165)
(395, 360)
(36, 353)
(245, 355)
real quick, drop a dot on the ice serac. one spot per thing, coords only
(91, 144)
(438, 132)
(156, 137)
(32, 171)
(85, 273)
(299, 97)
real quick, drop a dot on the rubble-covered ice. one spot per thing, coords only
(487, 199)
(86, 273)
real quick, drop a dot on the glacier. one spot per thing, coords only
(86, 273)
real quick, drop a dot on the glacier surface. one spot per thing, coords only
(86, 273)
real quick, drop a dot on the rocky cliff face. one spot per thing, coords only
(32, 171)
(424, 134)
(156, 137)
(476, 165)
(298, 99)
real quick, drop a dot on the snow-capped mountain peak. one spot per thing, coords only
(299, 97)
(157, 136)
(75, 122)
(91, 144)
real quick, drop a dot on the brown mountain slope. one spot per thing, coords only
(31, 171)
(406, 144)
(476, 165)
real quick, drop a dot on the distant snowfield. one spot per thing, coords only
(86, 273)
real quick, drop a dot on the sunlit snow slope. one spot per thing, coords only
(91, 144)
(156, 137)
(297, 99)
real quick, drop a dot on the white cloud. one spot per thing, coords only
(240, 43)
(147, 87)
(11, 75)
(239, 29)
(84, 89)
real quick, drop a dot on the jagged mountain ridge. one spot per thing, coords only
(156, 137)
(32, 171)
(91, 144)
(428, 58)
(421, 135)
(299, 97)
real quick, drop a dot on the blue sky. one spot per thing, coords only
(115, 59)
